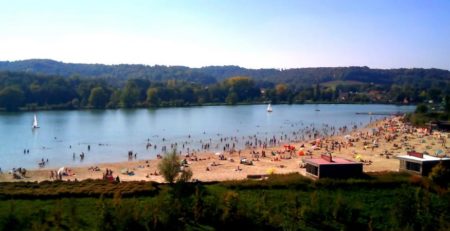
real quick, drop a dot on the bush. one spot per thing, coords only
(440, 174)
(170, 168)
(422, 108)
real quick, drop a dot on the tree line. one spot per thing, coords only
(119, 74)
(29, 91)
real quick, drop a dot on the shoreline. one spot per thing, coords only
(220, 170)
(63, 108)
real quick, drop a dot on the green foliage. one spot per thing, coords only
(130, 95)
(87, 188)
(440, 174)
(11, 98)
(447, 104)
(382, 201)
(169, 167)
(130, 86)
(232, 98)
(422, 108)
(152, 96)
(98, 97)
(185, 175)
(114, 100)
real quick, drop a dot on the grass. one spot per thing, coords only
(87, 188)
(377, 201)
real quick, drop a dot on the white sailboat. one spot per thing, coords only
(35, 122)
(269, 108)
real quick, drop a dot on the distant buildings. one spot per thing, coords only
(332, 167)
(419, 163)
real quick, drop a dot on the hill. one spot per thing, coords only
(213, 74)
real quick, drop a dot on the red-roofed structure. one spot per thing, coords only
(419, 163)
(332, 167)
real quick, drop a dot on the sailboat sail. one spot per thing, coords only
(35, 122)
(269, 108)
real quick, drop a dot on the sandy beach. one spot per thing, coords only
(376, 145)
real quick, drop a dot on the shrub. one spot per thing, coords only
(422, 108)
(186, 175)
(170, 168)
(440, 174)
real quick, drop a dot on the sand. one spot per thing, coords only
(404, 136)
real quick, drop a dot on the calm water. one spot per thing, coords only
(112, 133)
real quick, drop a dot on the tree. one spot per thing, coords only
(317, 93)
(11, 98)
(232, 98)
(98, 97)
(422, 108)
(152, 96)
(75, 103)
(170, 166)
(281, 91)
(114, 100)
(440, 174)
(186, 175)
(130, 95)
(447, 104)
(243, 87)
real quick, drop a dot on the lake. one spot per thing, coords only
(112, 133)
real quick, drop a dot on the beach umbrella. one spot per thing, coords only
(439, 152)
(271, 171)
(61, 170)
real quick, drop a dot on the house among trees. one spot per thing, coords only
(332, 167)
(419, 163)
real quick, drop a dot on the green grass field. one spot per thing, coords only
(389, 201)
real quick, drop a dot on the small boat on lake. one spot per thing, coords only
(35, 122)
(269, 108)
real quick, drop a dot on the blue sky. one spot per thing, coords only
(248, 33)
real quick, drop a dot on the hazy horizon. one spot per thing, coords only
(150, 65)
(382, 34)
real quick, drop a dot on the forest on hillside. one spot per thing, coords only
(47, 84)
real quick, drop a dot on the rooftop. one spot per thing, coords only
(336, 160)
(425, 158)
